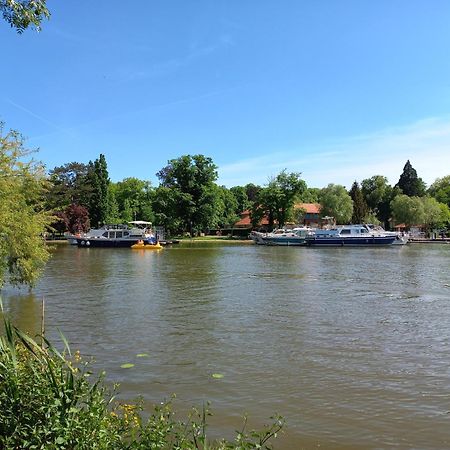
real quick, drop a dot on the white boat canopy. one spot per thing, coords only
(140, 222)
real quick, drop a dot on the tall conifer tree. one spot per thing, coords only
(99, 179)
(360, 208)
(410, 184)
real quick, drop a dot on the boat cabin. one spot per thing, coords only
(345, 230)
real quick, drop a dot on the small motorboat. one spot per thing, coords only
(296, 236)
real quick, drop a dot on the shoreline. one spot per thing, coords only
(218, 240)
(180, 241)
(429, 241)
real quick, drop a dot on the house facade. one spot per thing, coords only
(310, 217)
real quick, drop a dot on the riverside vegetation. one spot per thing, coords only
(188, 200)
(47, 401)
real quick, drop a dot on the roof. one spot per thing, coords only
(139, 222)
(246, 222)
(310, 208)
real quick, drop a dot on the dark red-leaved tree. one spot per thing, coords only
(77, 219)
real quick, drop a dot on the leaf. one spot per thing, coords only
(127, 366)
(142, 355)
(217, 375)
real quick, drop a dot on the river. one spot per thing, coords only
(350, 345)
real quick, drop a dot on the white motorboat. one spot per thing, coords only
(296, 237)
(351, 235)
(400, 238)
(120, 235)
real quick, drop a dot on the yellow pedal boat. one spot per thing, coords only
(146, 246)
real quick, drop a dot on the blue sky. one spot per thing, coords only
(338, 90)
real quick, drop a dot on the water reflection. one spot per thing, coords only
(24, 309)
(351, 345)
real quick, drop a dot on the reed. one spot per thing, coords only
(48, 401)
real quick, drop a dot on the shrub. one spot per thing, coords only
(47, 401)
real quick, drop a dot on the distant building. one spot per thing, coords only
(245, 221)
(311, 217)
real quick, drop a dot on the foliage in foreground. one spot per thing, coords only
(47, 402)
(22, 14)
(23, 216)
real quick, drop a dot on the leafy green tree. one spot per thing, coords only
(385, 208)
(138, 194)
(278, 198)
(127, 211)
(374, 190)
(192, 181)
(98, 177)
(311, 195)
(440, 190)
(265, 206)
(166, 209)
(444, 219)
(113, 216)
(252, 191)
(23, 217)
(360, 208)
(410, 184)
(227, 207)
(242, 201)
(434, 214)
(378, 195)
(60, 224)
(21, 14)
(336, 203)
(290, 187)
(372, 218)
(69, 185)
(408, 210)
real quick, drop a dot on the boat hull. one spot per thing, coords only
(297, 237)
(104, 243)
(366, 241)
(284, 241)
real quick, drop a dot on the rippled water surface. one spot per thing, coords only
(351, 346)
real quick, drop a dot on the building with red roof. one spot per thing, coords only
(311, 216)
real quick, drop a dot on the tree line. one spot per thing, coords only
(189, 200)
(77, 196)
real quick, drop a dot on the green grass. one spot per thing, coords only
(218, 239)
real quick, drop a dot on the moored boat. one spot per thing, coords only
(400, 238)
(294, 237)
(350, 236)
(116, 235)
(72, 238)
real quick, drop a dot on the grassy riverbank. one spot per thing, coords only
(216, 239)
(50, 400)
